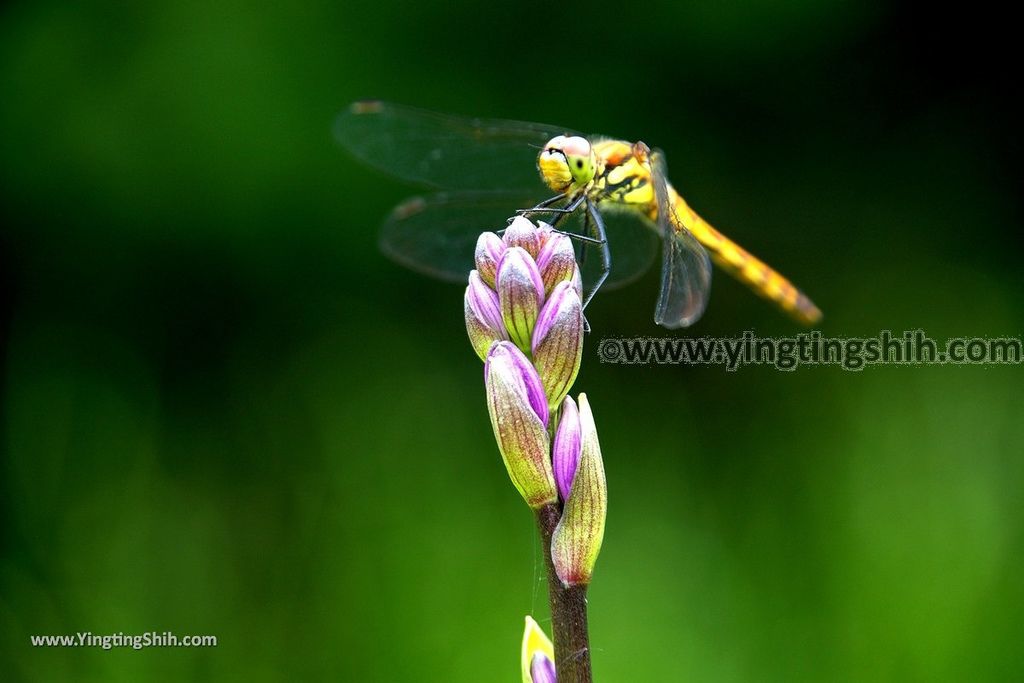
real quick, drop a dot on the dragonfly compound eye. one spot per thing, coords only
(554, 166)
(566, 161)
(580, 157)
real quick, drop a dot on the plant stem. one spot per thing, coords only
(568, 610)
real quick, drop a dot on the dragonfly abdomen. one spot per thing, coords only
(744, 266)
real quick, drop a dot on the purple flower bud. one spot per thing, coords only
(577, 539)
(557, 342)
(556, 261)
(545, 231)
(519, 417)
(523, 374)
(520, 294)
(483, 317)
(565, 454)
(524, 234)
(542, 669)
(489, 249)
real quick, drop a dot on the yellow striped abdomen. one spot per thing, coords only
(744, 266)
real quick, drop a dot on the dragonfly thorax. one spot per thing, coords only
(567, 163)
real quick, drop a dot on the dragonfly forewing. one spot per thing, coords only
(444, 151)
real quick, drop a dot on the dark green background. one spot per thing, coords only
(224, 412)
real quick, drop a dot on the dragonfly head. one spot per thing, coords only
(567, 162)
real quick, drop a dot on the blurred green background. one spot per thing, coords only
(224, 412)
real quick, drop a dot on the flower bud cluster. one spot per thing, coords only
(524, 318)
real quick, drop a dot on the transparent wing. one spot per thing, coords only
(436, 235)
(685, 266)
(631, 240)
(443, 151)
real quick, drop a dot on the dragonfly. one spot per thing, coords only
(613, 196)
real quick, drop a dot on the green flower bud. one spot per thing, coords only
(557, 342)
(519, 416)
(577, 540)
(520, 295)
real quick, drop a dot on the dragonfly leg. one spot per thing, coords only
(583, 259)
(584, 239)
(561, 214)
(596, 225)
(545, 206)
